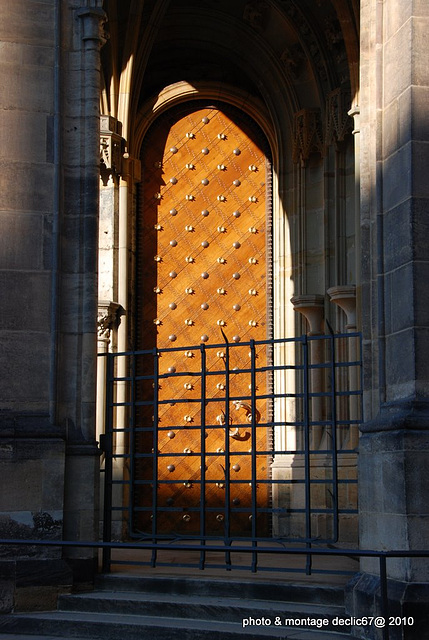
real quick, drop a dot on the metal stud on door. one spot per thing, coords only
(202, 274)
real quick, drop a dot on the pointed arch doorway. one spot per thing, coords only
(203, 276)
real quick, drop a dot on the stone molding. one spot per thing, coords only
(400, 416)
(293, 60)
(255, 13)
(308, 36)
(308, 135)
(94, 4)
(131, 169)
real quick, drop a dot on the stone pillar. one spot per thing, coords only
(290, 467)
(345, 298)
(82, 36)
(311, 307)
(107, 321)
(355, 114)
(394, 446)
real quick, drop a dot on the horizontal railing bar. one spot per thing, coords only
(95, 544)
(236, 510)
(259, 452)
(235, 345)
(247, 482)
(219, 372)
(242, 567)
(267, 396)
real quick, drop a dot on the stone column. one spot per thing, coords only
(355, 114)
(394, 446)
(345, 298)
(82, 36)
(107, 321)
(311, 307)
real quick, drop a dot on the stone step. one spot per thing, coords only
(220, 587)
(20, 636)
(199, 607)
(187, 608)
(108, 626)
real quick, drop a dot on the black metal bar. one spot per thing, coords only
(254, 452)
(334, 440)
(203, 454)
(227, 510)
(108, 462)
(384, 597)
(307, 445)
(94, 544)
(361, 372)
(270, 341)
(132, 444)
(155, 453)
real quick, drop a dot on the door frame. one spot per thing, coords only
(169, 118)
(280, 140)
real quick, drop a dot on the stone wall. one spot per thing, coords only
(49, 152)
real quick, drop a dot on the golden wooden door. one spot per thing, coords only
(202, 269)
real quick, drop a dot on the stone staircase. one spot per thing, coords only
(126, 607)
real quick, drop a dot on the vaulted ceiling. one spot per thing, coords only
(304, 48)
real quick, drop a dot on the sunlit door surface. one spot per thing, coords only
(202, 275)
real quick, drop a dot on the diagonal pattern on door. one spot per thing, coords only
(201, 270)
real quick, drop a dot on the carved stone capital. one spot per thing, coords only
(308, 135)
(93, 18)
(355, 114)
(311, 306)
(111, 144)
(338, 121)
(107, 318)
(345, 297)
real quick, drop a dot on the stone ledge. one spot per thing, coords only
(408, 415)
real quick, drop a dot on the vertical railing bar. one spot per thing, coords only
(254, 452)
(227, 527)
(307, 468)
(132, 461)
(108, 462)
(155, 455)
(203, 456)
(334, 438)
(384, 597)
(361, 376)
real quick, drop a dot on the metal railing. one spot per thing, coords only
(303, 408)
(382, 609)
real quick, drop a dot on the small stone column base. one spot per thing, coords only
(81, 508)
(408, 602)
(394, 515)
(290, 496)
